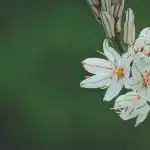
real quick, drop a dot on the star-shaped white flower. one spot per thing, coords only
(111, 73)
(131, 105)
(140, 80)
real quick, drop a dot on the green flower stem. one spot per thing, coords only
(117, 44)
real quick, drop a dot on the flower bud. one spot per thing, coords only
(117, 9)
(95, 7)
(129, 28)
(106, 6)
(108, 23)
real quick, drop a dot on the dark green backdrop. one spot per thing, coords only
(42, 107)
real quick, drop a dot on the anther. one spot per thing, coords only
(87, 76)
(141, 50)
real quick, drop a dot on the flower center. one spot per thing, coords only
(119, 73)
(146, 78)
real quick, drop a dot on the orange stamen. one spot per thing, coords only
(119, 73)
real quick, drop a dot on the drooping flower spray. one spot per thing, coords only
(127, 65)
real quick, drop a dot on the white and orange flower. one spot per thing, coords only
(140, 80)
(111, 73)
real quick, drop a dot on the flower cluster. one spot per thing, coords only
(127, 65)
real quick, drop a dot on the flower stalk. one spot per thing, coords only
(125, 73)
(117, 43)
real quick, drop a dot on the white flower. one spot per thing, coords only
(129, 28)
(140, 80)
(131, 105)
(142, 44)
(111, 73)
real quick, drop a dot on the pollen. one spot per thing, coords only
(119, 73)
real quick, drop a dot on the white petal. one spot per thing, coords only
(125, 63)
(135, 70)
(142, 91)
(128, 114)
(132, 95)
(128, 57)
(96, 81)
(141, 102)
(110, 53)
(141, 64)
(121, 98)
(97, 65)
(143, 112)
(113, 90)
(145, 32)
(108, 23)
(148, 94)
(122, 101)
(133, 83)
(126, 74)
(140, 43)
(131, 49)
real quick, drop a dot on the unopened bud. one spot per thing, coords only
(108, 23)
(129, 28)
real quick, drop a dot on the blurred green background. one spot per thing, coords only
(42, 107)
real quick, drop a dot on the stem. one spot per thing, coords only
(116, 39)
(117, 43)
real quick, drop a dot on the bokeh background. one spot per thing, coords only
(42, 107)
